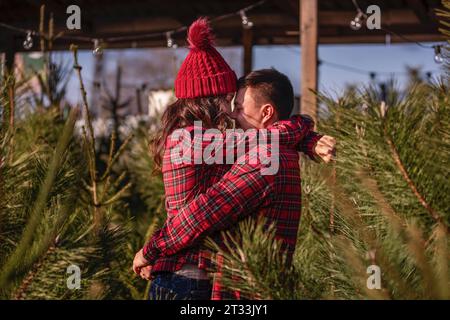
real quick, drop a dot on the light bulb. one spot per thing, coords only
(438, 58)
(246, 23)
(356, 23)
(438, 55)
(170, 42)
(28, 42)
(98, 50)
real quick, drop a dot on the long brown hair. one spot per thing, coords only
(182, 113)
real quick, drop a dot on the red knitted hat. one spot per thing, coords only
(204, 72)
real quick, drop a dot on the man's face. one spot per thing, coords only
(249, 113)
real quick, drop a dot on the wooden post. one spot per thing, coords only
(138, 101)
(12, 105)
(247, 41)
(308, 41)
(10, 54)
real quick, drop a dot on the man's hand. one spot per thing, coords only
(325, 148)
(139, 262)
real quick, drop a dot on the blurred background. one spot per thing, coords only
(138, 33)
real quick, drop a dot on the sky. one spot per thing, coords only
(390, 60)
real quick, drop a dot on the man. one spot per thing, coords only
(264, 97)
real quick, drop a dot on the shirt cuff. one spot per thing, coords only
(312, 150)
(149, 254)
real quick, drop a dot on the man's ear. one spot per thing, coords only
(268, 113)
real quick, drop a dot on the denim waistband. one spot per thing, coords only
(170, 279)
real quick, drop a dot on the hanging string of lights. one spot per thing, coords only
(358, 20)
(99, 44)
(371, 74)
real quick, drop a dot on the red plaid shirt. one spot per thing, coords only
(202, 200)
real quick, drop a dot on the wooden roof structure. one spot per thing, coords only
(275, 22)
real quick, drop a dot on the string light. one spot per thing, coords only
(356, 23)
(133, 38)
(170, 42)
(438, 54)
(246, 23)
(98, 50)
(28, 42)
(372, 74)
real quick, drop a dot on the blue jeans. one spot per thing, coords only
(170, 286)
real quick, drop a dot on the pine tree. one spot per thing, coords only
(384, 203)
(58, 209)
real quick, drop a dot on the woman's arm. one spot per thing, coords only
(239, 193)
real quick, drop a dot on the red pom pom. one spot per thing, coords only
(200, 35)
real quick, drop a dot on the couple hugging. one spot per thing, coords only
(204, 198)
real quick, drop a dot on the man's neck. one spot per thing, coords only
(269, 123)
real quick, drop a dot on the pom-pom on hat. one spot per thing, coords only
(204, 72)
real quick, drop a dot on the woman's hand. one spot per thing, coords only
(140, 262)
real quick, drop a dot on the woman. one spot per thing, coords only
(204, 86)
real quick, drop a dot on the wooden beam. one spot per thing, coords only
(138, 25)
(289, 7)
(308, 41)
(247, 41)
(380, 39)
(420, 10)
(389, 17)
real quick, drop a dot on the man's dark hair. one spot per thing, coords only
(272, 86)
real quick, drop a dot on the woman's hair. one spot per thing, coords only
(182, 113)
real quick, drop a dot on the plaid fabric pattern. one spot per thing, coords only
(203, 199)
(308, 144)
